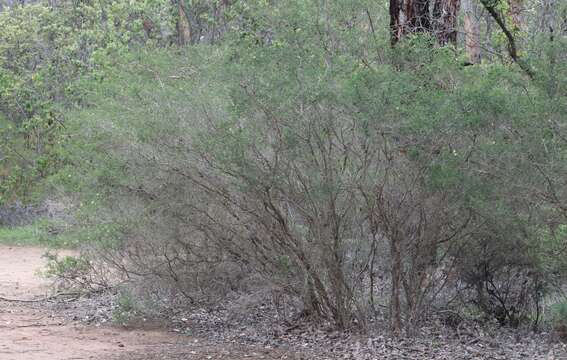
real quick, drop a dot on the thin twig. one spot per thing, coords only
(76, 294)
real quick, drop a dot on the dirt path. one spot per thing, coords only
(30, 331)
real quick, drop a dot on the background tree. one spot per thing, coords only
(438, 18)
(471, 32)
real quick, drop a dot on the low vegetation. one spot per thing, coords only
(21, 236)
(302, 153)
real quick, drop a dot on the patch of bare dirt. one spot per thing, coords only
(73, 329)
(35, 331)
(18, 277)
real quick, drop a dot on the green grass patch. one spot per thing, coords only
(29, 235)
(38, 234)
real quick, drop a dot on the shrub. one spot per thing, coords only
(559, 320)
(75, 273)
(327, 178)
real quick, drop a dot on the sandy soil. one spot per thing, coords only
(43, 331)
(29, 331)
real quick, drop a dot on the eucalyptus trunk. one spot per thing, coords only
(472, 33)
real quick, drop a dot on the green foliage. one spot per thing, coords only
(73, 273)
(43, 233)
(558, 314)
(125, 310)
(63, 267)
(46, 50)
(21, 236)
(550, 250)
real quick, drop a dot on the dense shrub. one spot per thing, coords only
(18, 214)
(293, 154)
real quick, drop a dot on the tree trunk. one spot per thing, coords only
(417, 16)
(408, 17)
(472, 33)
(515, 8)
(414, 16)
(396, 28)
(183, 25)
(445, 16)
(563, 26)
(512, 47)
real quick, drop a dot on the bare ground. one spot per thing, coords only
(34, 331)
(44, 330)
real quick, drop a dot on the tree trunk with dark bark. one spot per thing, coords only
(396, 28)
(499, 18)
(445, 16)
(416, 16)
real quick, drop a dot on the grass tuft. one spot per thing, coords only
(29, 235)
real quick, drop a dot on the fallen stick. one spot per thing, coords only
(31, 325)
(76, 294)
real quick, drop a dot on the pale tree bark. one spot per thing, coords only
(546, 15)
(515, 8)
(183, 25)
(472, 33)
